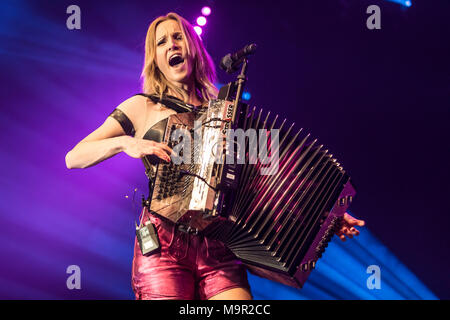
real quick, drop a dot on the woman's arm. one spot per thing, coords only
(94, 149)
(110, 139)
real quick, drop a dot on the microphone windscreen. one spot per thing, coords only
(226, 62)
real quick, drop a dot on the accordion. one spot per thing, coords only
(273, 196)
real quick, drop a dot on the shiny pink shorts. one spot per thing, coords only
(187, 267)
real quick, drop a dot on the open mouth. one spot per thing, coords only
(175, 60)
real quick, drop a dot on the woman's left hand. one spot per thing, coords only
(348, 227)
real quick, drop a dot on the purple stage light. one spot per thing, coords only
(198, 30)
(201, 21)
(206, 11)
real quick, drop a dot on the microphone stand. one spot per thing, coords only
(242, 78)
(226, 93)
(233, 90)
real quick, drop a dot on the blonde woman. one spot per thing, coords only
(176, 67)
(177, 71)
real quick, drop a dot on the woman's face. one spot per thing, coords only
(171, 52)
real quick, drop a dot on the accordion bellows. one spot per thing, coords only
(278, 222)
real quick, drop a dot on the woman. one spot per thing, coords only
(188, 266)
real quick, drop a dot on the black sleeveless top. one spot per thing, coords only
(155, 132)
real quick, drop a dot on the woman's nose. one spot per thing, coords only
(172, 45)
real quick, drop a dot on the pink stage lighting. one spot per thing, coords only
(201, 21)
(206, 11)
(198, 30)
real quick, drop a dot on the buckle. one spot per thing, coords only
(188, 229)
(193, 231)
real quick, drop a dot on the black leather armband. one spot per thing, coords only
(124, 121)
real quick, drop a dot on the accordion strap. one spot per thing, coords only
(171, 102)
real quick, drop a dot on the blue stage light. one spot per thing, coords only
(342, 274)
(406, 3)
(246, 95)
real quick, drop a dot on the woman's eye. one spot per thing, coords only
(160, 42)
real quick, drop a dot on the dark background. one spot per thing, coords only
(378, 99)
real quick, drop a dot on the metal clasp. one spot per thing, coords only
(188, 229)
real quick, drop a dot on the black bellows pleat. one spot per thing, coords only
(275, 219)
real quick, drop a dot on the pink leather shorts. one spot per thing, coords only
(187, 267)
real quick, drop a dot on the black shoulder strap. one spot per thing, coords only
(124, 121)
(170, 102)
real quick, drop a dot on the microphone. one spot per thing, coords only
(231, 62)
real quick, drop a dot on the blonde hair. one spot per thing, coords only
(154, 81)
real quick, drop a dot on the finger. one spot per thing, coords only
(349, 219)
(342, 237)
(352, 221)
(160, 153)
(347, 232)
(165, 147)
(354, 231)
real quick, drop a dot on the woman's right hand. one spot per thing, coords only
(138, 148)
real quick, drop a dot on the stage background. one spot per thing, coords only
(378, 99)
